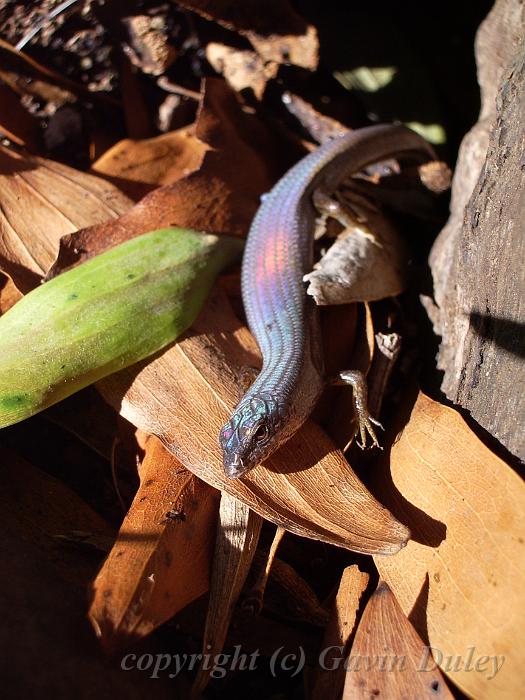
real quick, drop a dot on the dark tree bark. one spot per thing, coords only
(478, 260)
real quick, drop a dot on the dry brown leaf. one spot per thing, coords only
(161, 558)
(218, 198)
(40, 201)
(242, 69)
(275, 30)
(185, 396)
(388, 659)
(328, 684)
(9, 294)
(137, 167)
(42, 510)
(237, 536)
(463, 574)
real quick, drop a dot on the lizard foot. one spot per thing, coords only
(364, 421)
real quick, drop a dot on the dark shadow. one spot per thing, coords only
(23, 278)
(506, 334)
(11, 163)
(424, 529)
(418, 615)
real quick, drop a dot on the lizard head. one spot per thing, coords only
(248, 437)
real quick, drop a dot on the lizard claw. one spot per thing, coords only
(364, 426)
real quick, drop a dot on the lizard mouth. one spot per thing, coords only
(235, 466)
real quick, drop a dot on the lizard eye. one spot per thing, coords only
(261, 434)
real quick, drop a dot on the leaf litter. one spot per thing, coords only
(161, 560)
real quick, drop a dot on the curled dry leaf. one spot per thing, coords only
(218, 198)
(44, 511)
(242, 69)
(185, 396)
(330, 676)
(388, 659)
(366, 263)
(138, 166)
(463, 574)
(237, 536)
(160, 561)
(56, 200)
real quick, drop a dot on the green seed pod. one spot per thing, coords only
(105, 314)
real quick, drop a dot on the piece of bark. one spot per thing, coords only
(477, 260)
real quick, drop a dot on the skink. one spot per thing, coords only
(284, 321)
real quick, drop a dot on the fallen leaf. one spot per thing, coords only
(185, 396)
(44, 628)
(41, 509)
(9, 294)
(56, 200)
(160, 561)
(218, 198)
(138, 166)
(330, 676)
(462, 577)
(388, 659)
(236, 540)
(82, 325)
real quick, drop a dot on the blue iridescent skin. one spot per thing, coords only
(283, 319)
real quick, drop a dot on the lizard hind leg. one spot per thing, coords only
(364, 421)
